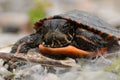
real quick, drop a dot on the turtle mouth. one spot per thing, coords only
(56, 43)
(57, 40)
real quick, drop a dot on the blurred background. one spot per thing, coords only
(18, 16)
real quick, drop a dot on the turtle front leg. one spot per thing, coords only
(26, 43)
(22, 46)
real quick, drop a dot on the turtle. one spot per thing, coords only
(72, 34)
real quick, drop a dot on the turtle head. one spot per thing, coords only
(56, 33)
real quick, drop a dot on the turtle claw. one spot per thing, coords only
(5, 62)
(9, 63)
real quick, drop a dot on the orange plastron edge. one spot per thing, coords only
(69, 51)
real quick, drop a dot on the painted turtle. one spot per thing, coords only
(73, 34)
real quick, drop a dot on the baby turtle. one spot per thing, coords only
(73, 34)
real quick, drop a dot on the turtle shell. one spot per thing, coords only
(86, 21)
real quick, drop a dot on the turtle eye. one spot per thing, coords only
(66, 27)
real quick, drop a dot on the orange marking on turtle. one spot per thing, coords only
(100, 33)
(70, 51)
(90, 28)
(108, 36)
(78, 23)
(49, 18)
(101, 51)
(36, 27)
(116, 38)
(84, 38)
(67, 19)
